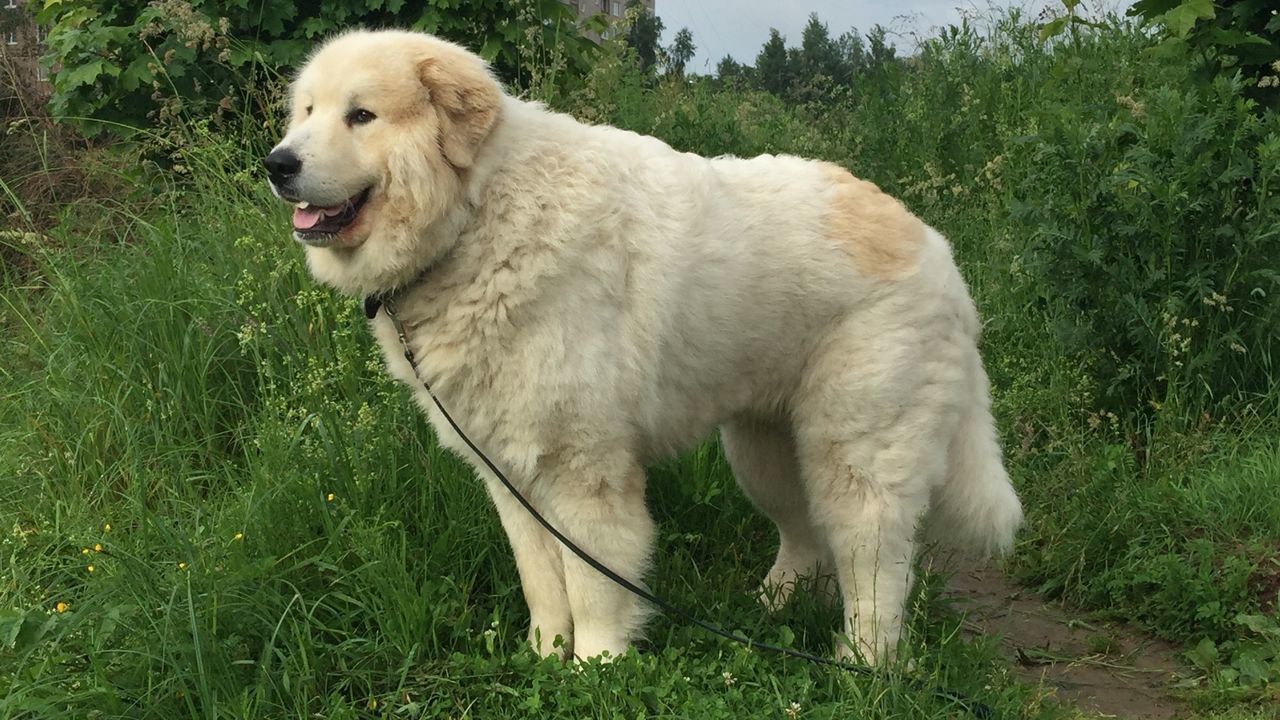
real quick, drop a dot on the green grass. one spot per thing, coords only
(1183, 544)
(272, 532)
(280, 537)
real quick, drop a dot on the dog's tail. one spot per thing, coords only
(976, 508)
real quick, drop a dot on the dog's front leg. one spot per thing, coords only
(600, 506)
(541, 571)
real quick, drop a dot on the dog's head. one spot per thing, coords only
(382, 128)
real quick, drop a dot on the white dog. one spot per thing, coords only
(585, 300)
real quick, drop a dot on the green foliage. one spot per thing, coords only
(1151, 227)
(730, 71)
(140, 62)
(1123, 214)
(1245, 666)
(1222, 37)
(1183, 545)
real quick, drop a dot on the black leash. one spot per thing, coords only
(371, 306)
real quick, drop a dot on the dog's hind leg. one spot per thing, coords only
(763, 457)
(868, 514)
(872, 424)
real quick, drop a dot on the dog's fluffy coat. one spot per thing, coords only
(585, 300)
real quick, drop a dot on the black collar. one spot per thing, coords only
(373, 303)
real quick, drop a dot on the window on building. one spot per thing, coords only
(12, 38)
(616, 8)
(42, 73)
(12, 4)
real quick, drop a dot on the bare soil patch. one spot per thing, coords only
(1106, 668)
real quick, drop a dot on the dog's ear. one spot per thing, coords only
(468, 99)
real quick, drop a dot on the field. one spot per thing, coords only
(213, 504)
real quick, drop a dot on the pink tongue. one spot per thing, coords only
(307, 219)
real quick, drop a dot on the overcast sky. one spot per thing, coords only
(740, 27)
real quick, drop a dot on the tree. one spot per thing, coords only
(819, 55)
(773, 70)
(882, 53)
(734, 74)
(853, 54)
(728, 68)
(680, 52)
(643, 34)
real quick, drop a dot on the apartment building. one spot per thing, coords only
(611, 9)
(21, 45)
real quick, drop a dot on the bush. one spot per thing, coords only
(1220, 39)
(134, 63)
(1151, 232)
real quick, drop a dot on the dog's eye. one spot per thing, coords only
(360, 116)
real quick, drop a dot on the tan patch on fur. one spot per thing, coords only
(877, 231)
(468, 98)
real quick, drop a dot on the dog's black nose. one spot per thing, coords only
(281, 165)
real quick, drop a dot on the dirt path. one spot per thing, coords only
(1100, 667)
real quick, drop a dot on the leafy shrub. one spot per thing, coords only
(1221, 38)
(1252, 661)
(1151, 232)
(133, 63)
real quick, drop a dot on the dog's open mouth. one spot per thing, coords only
(320, 226)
